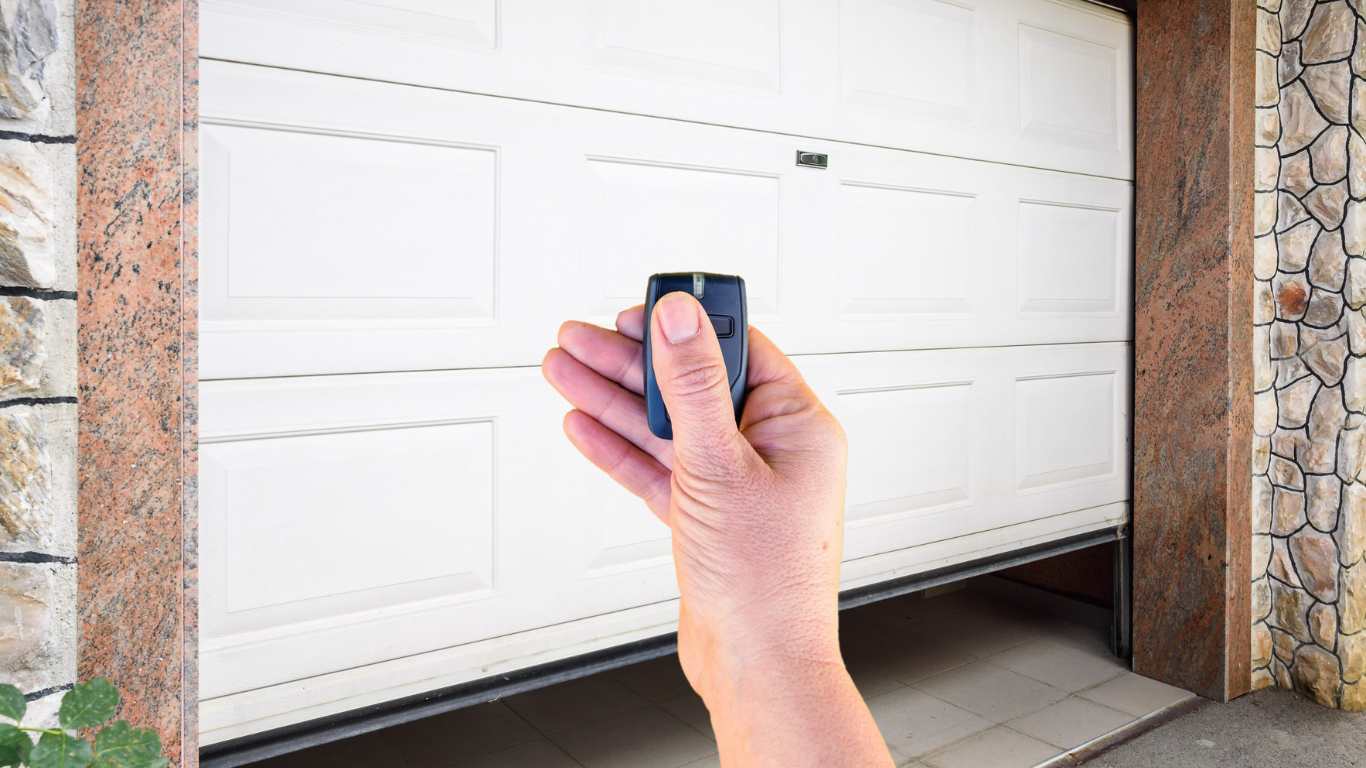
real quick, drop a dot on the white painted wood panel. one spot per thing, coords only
(1043, 83)
(352, 520)
(442, 230)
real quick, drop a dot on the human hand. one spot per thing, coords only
(757, 520)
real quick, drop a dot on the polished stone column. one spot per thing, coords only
(1195, 63)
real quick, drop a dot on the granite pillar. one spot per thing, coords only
(1193, 343)
(135, 140)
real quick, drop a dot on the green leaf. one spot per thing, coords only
(123, 746)
(12, 704)
(89, 704)
(60, 750)
(14, 745)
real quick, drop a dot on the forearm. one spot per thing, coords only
(794, 715)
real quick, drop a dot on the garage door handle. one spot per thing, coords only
(812, 159)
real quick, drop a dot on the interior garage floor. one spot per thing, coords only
(960, 680)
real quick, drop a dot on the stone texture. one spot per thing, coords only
(1290, 211)
(1354, 287)
(1354, 385)
(1328, 156)
(28, 37)
(1329, 34)
(1352, 607)
(25, 480)
(1261, 645)
(1264, 304)
(1328, 262)
(1267, 90)
(22, 352)
(1287, 511)
(1323, 625)
(1325, 203)
(137, 79)
(1316, 674)
(1263, 375)
(1264, 208)
(27, 215)
(1325, 308)
(1352, 650)
(1293, 401)
(1288, 66)
(1323, 495)
(1268, 168)
(1285, 474)
(1283, 647)
(1269, 32)
(1326, 418)
(1350, 453)
(1356, 156)
(1301, 122)
(1290, 610)
(1261, 599)
(1351, 533)
(1268, 126)
(1264, 412)
(1328, 358)
(1354, 229)
(1285, 340)
(1295, 244)
(1262, 548)
(1352, 698)
(30, 601)
(1297, 173)
(1331, 87)
(1292, 295)
(1316, 561)
(1295, 15)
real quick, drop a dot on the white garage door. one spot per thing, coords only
(402, 199)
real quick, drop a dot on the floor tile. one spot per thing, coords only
(576, 702)
(710, 761)
(641, 738)
(990, 691)
(915, 723)
(367, 751)
(533, 754)
(1062, 666)
(458, 735)
(1135, 694)
(1086, 638)
(999, 747)
(654, 680)
(690, 709)
(871, 683)
(908, 657)
(1071, 722)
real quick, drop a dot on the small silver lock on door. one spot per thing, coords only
(812, 159)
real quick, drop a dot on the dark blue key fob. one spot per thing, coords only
(723, 298)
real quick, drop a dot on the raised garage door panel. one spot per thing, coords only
(352, 520)
(439, 230)
(1033, 82)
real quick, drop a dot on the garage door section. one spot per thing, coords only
(387, 503)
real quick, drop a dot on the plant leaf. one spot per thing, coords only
(14, 745)
(121, 745)
(12, 703)
(60, 750)
(89, 704)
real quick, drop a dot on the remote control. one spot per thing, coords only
(723, 298)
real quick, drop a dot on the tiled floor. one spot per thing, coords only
(961, 680)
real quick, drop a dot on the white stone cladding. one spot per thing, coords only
(1308, 495)
(38, 387)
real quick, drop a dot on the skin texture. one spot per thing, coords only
(757, 520)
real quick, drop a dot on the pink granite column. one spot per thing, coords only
(1192, 343)
(136, 138)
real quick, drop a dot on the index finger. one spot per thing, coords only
(768, 364)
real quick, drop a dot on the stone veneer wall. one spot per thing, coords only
(1309, 496)
(38, 625)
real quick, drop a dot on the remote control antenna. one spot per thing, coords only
(699, 285)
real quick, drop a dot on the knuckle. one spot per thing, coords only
(697, 376)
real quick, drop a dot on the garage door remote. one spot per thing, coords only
(723, 299)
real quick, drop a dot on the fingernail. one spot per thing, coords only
(678, 317)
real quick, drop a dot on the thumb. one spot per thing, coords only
(693, 381)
